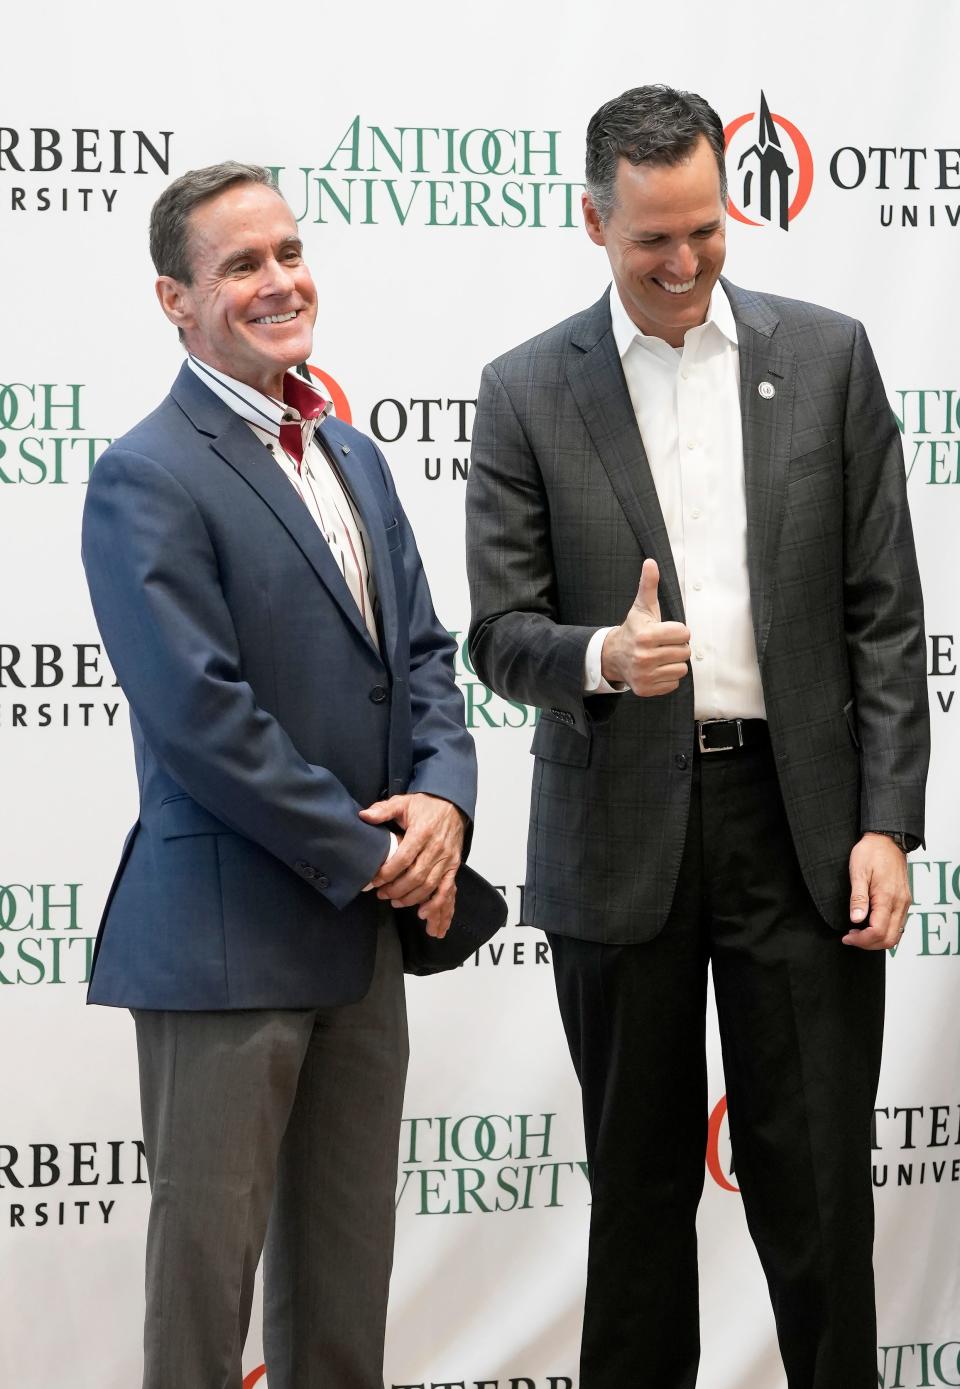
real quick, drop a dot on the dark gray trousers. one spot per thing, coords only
(275, 1127)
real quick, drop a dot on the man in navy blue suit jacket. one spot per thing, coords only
(303, 767)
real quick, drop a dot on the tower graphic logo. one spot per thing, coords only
(774, 173)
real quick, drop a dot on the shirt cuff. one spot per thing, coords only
(394, 842)
(593, 681)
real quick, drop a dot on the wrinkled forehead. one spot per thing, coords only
(246, 217)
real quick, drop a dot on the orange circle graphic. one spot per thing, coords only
(804, 172)
(340, 404)
(728, 133)
(713, 1142)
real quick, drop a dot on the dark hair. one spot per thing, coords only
(170, 216)
(647, 125)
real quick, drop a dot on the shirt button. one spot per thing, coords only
(691, 444)
(699, 654)
(697, 585)
(378, 694)
(680, 760)
(685, 374)
(695, 513)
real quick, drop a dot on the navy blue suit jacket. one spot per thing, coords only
(264, 718)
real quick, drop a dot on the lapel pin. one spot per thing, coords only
(345, 448)
(766, 390)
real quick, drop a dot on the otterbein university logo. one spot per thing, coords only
(774, 182)
(341, 406)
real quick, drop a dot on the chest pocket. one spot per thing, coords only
(823, 456)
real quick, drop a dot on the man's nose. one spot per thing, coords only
(277, 278)
(683, 262)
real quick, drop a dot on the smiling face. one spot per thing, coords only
(665, 241)
(251, 306)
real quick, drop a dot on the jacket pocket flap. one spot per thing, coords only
(557, 742)
(812, 460)
(183, 816)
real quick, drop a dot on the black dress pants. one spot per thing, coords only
(801, 1023)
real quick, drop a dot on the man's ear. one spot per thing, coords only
(175, 301)
(591, 220)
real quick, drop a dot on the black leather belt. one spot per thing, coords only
(731, 735)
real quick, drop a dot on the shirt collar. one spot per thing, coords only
(626, 332)
(261, 411)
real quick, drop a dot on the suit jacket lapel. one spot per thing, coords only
(232, 440)
(372, 513)
(767, 421)
(599, 388)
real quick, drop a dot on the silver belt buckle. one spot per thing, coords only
(728, 747)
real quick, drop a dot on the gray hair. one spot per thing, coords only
(170, 216)
(648, 125)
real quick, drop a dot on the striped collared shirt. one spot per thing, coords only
(315, 481)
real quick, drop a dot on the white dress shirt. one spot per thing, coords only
(687, 404)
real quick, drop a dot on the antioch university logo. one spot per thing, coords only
(770, 175)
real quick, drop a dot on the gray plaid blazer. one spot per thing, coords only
(561, 512)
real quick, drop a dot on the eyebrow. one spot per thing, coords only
(248, 253)
(642, 233)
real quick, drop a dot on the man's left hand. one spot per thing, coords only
(880, 890)
(422, 870)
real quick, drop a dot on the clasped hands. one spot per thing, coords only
(422, 871)
(651, 657)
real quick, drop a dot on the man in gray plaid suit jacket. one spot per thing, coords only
(730, 764)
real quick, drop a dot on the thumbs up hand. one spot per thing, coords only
(646, 600)
(648, 655)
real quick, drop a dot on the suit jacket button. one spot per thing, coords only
(680, 760)
(378, 694)
(321, 879)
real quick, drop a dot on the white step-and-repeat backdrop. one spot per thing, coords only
(434, 158)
